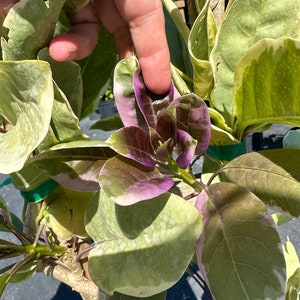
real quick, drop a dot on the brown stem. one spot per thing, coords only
(72, 276)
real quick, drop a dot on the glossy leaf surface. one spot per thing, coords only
(240, 240)
(142, 249)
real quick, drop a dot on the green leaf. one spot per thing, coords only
(26, 92)
(118, 296)
(246, 23)
(293, 286)
(110, 123)
(262, 171)
(292, 139)
(200, 43)
(141, 249)
(267, 85)
(28, 27)
(291, 258)
(178, 48)
(239, 249)
(25, 272)
(134, 183)
(65, 123)
(66, 211)
(76, 164)
(29, 178)
(3, 282)
(72, 6)
(97, 70)
(67, 76)
(293, 271)
(280, 218)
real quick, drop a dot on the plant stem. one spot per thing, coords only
(185, 175)
(177, 18)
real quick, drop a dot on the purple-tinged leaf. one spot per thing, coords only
(186, 146)
(166, 123)
(151, 106)
(164, 151)
(80, 175)
(193, 117)
(75, 165)
(4, 217)
(239, 238)
(124, 93)
(134, 143)
(126, 182)
(144, 100)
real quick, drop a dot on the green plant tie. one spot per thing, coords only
(7, 181)
(226, 152)
(41, 192)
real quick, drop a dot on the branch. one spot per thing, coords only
(70, 275)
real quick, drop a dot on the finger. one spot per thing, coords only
(147, 28)
(82, 38)
(111, 18)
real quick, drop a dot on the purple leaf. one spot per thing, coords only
(151, 106)
(134, 143)
(134, 182)
(144, 100)
(186, 147)
(166, 124)
(193, 117)
(124, 93)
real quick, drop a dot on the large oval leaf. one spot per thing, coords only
(142, 249)
(273, 175)
(246, 23)
(127, 182)
(267, 85)
(26, 92)
(239, 249)
(29, 27)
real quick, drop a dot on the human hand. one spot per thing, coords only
(135, 24)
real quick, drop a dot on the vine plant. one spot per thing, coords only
(114, 215)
